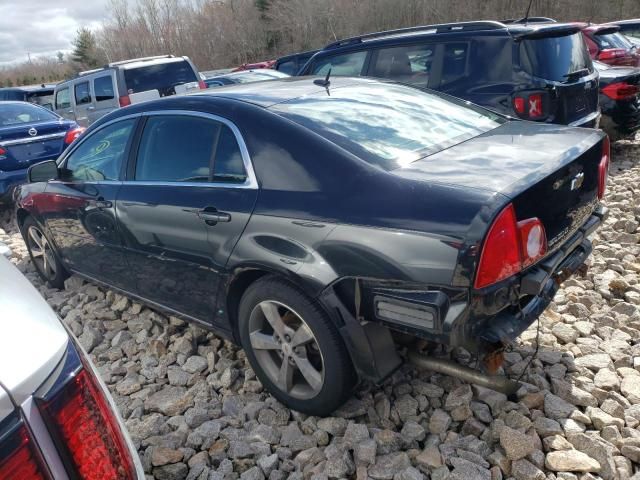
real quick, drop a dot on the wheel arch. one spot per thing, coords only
(244, 276)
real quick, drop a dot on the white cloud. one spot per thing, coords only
(44, 27)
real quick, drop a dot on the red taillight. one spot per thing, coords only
(621, 91)
(518, 105)
(2, 151)
(603, 168)
(18, 459)
(202, 85)
(530, 106)
(611, 53)
(124, 100)
(89, 435)
(72, 135)
(510, 246)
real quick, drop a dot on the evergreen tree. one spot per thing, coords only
(262, 5)
(84, 49)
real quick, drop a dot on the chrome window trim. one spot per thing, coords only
(251, 183)
(40, 138)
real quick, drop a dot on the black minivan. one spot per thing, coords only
(539, 71)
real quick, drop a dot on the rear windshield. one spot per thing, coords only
(612, 40)
(159, 76)
(555, 58)
(389, 125)
(18, 113)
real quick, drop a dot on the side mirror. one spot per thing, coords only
(43, 172)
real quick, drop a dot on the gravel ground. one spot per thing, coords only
(195, 410)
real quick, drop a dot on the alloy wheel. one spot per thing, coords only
(286, 349)
(41, 252)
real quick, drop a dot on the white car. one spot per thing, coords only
(57, 419)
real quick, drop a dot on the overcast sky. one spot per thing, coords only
(44, 26)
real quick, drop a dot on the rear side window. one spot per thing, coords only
(228, 166)
(82, 93)
(12, 95)
(103, 88)
(159, 76)
(349, 64)
(99, 157)
(555, 58)
(408, 64)
(409, 124)
(63, 99)
(188, 149)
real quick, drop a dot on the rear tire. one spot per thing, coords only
(42, 254)
(294, 348)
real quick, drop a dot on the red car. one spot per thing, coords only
(253, 66)
(608, 45)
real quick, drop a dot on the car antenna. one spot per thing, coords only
(323, 83)
(526, 15)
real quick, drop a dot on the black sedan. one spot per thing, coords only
(312, 220)
(619, 100)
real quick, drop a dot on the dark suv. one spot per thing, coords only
(539, 71)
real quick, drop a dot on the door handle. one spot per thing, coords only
(212, 216)
(91, 108)
(70, 111)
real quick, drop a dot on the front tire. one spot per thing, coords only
(294, 348)
(42, 254)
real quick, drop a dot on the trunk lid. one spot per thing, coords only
(32, 340)
(30, 143)
(547, 171)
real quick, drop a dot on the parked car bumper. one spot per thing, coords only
(537, 287)
(621, 118)
(588, 121)
(9, 180)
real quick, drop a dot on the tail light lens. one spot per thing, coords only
(72, 135)
(79, 416)
(603, 168)
(124, 100)
(621, 91)
(611, 53)
(202, 85)
(531, 106)
(2, 152)
(18, 458)
(510, 246)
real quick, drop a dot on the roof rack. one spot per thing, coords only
(439, 28)
(141, 59)
(87, 72)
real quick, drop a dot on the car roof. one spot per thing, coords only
(272, 92)
(458, 28)
(30, 88)
(630, 21)
(245, 72)
(594, 28)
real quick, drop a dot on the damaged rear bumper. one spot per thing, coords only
(538, 286)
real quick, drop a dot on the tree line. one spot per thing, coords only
(227, 33)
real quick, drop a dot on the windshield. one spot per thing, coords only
(159, 76)
(389, 125)
(18, 113)
(555, 58)
(613, 40)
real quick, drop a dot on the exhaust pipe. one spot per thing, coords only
(447, 367)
